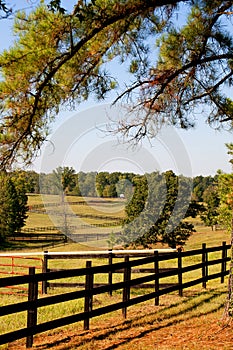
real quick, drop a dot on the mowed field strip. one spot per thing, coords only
(95, 211)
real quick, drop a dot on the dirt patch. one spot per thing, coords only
(203, 333)
(169, 326)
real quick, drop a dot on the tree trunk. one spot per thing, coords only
(230, 311)
(229, 305)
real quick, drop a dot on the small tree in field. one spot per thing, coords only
(210, 212)
(64, 180)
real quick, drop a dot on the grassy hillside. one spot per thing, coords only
(96, 216)
(43, 209)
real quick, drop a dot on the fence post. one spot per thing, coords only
(12, 265)
(180, 277)
(32, 310)
(156, 268)
(204, 265)
(45, 270)
(126, 289)
(110, 271)
(88, 295)
(224, 265)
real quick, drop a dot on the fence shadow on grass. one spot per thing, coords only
(189, 307)
(152, 315)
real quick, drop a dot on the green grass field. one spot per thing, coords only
(96, 212)
(100, 213)
(215, 292)
(102, 218)
(202, 235)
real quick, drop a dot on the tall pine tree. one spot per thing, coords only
(13, 207)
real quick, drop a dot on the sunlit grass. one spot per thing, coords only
(35, 220)
(206, 235)
(99, 211)
(172, 306)
(194, 304)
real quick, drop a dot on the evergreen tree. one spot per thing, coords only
(13, 207)
(59, 59)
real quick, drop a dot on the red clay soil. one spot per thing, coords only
(143, 330)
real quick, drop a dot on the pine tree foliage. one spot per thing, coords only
(5, 10)
(60, 58)
(13, 206)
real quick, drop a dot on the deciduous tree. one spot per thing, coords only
(157, 211)
(210, 212)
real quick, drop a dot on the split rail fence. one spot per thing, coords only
(154, 275)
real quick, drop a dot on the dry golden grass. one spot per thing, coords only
(188, 322)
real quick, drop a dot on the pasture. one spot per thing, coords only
(194, 305)
(95, 216)
(81, 216)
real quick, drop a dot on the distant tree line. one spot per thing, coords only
(91, 184)
(104, 184)
(157, 204)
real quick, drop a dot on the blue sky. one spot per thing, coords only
(202, 147)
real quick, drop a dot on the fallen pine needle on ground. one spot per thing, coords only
(192, 322)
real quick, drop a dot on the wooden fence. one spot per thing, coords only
(38, 237)
(58, 204)
(54, 238)
(87, 293)
(109, 255)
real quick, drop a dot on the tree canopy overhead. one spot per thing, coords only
(59, 58)
(5, 11)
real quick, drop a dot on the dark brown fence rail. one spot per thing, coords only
(58, 204)
(35, 237)
(128, 282)
(109, 255)
(38, 237)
